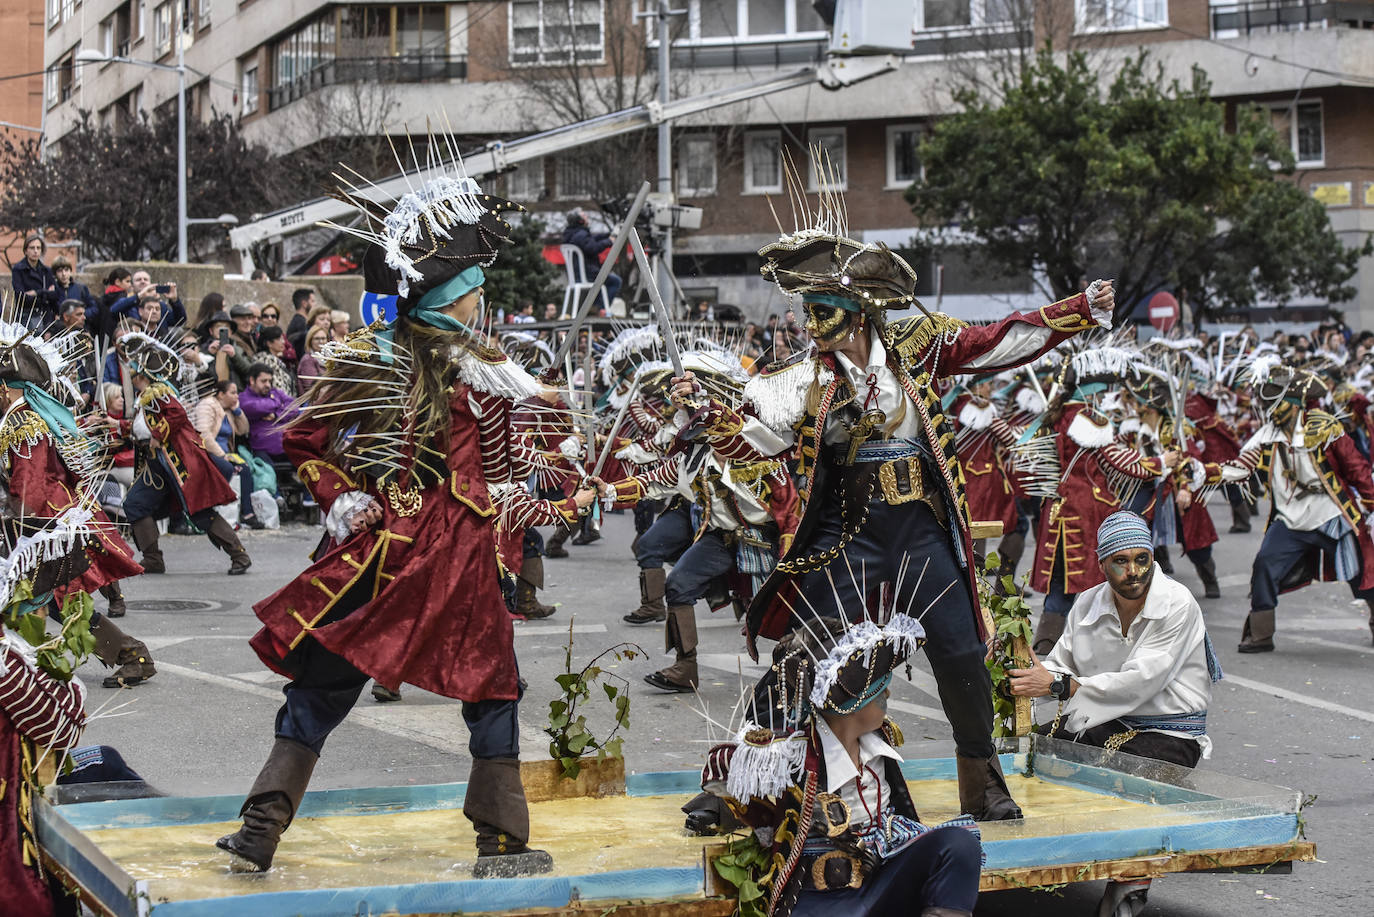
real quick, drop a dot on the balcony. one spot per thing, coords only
(744, 54)
(1288, 16)
(427, 69)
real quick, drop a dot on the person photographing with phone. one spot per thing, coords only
(133, 307)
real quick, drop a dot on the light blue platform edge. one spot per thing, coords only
(1241, 830)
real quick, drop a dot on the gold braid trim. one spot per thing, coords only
(158, 391)
(1067, 323)
(749, 472)
(1321, 429)
(22, 428)
(909, 338)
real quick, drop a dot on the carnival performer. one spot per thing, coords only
(1175, 507)
(981, 440)
(876, 460)
(725, 521)
(407, 445)
(174, 472)
(49, 466)
(1219, 444)
(817, 750)
(1321, 492)
(1074, 461)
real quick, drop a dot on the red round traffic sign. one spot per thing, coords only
(1163, 310)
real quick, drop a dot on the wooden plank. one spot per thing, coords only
(701, 907)
(992, 529)
(544, 780)
(1146, 866)
(1022, 720)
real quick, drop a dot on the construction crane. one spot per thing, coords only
(851, 59)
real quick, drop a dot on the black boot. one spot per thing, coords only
(530, 580)
(116, 648)
(145, 537)
(554, 547)
(270, 807)
(223, 536)
(983, 791)
(1240, 517)
(115, 597)
(1162, 558)
(1207, 572)
(495, 804)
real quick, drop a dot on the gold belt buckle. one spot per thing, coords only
(901, 481)
(856, 877)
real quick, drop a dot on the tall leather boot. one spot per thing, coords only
(270, 806)
(1048, 630)
(1240, 517)
(145, 537)
(495, 804)
(223, 536)
(1207, 572)
(681, 676)
(983, 790)
(554, 546)
(117, 649)
(1258, 634)
(1009, 552)
(115, 597)
(531, 578)
(653, 582)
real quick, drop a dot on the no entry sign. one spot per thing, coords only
(1163, 310)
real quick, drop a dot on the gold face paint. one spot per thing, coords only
(827, 323)
(1130, 572)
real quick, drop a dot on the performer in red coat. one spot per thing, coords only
(174, 472)
(1219, 444)
(408, 446)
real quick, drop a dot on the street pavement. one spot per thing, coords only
(1302, 717)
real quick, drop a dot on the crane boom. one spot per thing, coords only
(834, 73)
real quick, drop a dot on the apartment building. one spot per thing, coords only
(288, 67)
(21, 97)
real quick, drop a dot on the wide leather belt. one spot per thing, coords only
(830, 871)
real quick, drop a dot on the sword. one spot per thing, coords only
(660, 310)
(615, 428)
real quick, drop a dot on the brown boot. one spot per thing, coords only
(652, 583)
(983, 791)
(145, 537)
(115, 596)
(530, 579)
(116, 648)
(223, 536)
(1258, 634)
(270, 806)
(681, 676)
(1240, 517)
(1048, 630)
(495, 804)
(554, 546)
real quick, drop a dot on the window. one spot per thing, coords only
(422, 30)
(553, 31)
(724, 19)
(961, 14)
(107, 37)
(68, 9)
(139, 10)
(763, 162)
(203, 14)
(1301, 126)
(577, 177)
(162, 29)
(248, 87)
(1117, 15)
(309, 47)
(526, 183)
(696, 172)
(54, 13)
(903, 154)
(832, 158)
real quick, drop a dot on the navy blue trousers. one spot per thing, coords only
(940, 869)
(933, 590)
(1281, 551)
(156, 494)
(327, 686)
(695, 564)
(245, 476)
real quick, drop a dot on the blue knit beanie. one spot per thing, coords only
(1123, 531)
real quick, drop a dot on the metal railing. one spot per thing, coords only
(1291, 15)
(426, 69)
(743, 54)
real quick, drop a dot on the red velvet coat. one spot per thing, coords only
(1195, 527)
(1219, 440)
(36, 711)
(987, 480)
(429, 610)
(45, 487)
(1069, 524)
(200, 483)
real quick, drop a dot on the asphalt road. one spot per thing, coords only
(1302, 717)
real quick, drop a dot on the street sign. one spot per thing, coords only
(375, 305)
(1163, 310)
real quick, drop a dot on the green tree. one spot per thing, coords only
(117, 191)
(1144, 183)
(521, 274)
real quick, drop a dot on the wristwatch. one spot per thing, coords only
(1059, 688)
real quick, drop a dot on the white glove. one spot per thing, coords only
(1103, 316)
(344, 510)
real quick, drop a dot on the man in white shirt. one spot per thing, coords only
(1134, 668)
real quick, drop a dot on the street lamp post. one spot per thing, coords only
(92, 56)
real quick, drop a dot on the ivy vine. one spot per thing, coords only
(572, 738)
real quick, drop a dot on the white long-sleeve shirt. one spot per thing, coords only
(865, 791)
(1159, 668)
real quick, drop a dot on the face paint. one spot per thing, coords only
(829, 324)
(1130, 572)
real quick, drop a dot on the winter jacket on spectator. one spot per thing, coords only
(174, 314)
(591, 243)
(78, 291)
(101, 320)
(33, 283)
(267, 415)
(209, 417)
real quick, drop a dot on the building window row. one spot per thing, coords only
(557, 31)
(1300, 127)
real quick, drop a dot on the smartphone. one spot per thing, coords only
(163, 288)
(223, 336)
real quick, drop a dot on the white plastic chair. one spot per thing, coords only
(572, 294)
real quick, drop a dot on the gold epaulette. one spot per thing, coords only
(158, 391)
(892, 733)
(22, 427)
(1321, 429)
(749, 472)
(909, 338)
